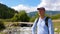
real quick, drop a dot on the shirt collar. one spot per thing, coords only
(43, 18)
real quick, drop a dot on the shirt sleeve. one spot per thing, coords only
(50, 24)
(34, 27)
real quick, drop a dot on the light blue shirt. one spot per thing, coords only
(41, 28)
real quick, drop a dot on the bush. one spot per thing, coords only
(21, 16)
(2, 26)
(57, 16)
(32, 19)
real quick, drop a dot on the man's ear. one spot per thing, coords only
(38, 13)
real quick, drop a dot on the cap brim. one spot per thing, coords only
(40, 8)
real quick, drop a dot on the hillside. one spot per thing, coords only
(6, 12)
(31, 14)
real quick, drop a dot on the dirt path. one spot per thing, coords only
(56, 20)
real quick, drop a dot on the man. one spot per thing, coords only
(39, 26)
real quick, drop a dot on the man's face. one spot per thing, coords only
(41, 12)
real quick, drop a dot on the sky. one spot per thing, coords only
(32, 5)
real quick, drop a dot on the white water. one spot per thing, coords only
(21, 30)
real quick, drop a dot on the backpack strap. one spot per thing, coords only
(37, 20)
(46, 22)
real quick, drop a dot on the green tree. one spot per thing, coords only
(14, 17)
(6, 12)
(21, 16)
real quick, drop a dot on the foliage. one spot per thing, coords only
(2, 26)
(21, 16)
(57, 16)
(6, 12)
(32, 19)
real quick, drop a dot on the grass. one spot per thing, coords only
(57, 26)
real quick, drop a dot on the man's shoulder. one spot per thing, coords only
(47, 17)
